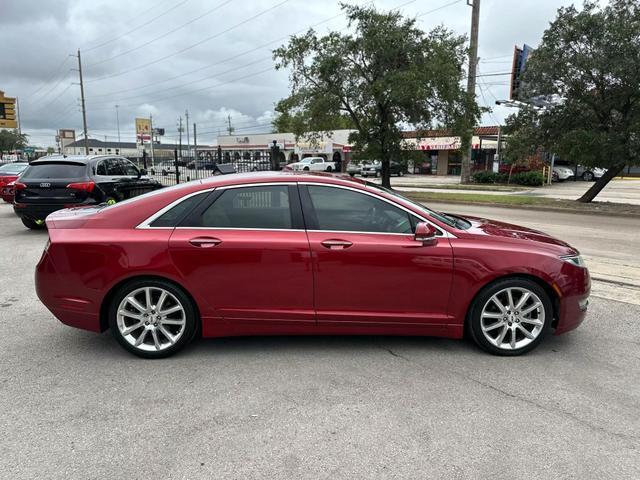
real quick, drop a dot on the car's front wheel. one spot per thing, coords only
(510, 317)
(152, 318)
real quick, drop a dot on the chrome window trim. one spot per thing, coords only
(444, 233)
(146, 224)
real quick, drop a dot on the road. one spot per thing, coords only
(74, 405)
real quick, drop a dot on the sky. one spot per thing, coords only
(211, 58)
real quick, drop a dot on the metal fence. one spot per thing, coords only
(170, 170)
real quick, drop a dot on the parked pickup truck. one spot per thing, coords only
(313, 164)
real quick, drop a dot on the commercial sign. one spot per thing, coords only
(143, 130)
(7, 112)
(302, 148)
(520, 58)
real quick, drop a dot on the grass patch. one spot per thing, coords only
(475, 187)
(527, 201)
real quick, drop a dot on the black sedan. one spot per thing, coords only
(55, 182)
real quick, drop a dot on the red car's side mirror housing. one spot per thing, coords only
(426, 233)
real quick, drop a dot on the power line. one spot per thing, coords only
(438, 8)
(142, 45)
(46, 82)
(189, 47)
(136, 27)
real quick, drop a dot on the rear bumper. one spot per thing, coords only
(74, 311)
(40, 211)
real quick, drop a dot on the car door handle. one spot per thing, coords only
(205, 242)
(336, 244)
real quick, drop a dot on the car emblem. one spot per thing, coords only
(45, 185)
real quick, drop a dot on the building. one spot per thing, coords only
(130, 150)
(438, 153)
(256, 146)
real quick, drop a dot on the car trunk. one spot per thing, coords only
(47, 183)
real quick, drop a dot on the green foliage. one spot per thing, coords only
(11, 140)
(532, 179)
(386, 73)
(585, 73)
(487, 176)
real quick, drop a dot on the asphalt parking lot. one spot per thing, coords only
(73, 404)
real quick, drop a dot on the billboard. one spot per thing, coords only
(7, 112)
(143, 130)
(520, 58)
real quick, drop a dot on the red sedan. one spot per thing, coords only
(298, 254)
(9, 173)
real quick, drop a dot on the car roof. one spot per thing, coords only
(72, 158)
(282, 176)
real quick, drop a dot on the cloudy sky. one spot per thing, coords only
(210, 57)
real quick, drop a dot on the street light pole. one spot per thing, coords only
(118, 126)
(84, 110)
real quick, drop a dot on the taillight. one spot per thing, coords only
(82, 186)
(19, 186)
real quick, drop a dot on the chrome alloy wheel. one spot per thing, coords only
(151, 319)
(512, 318)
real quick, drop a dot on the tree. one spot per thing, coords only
(585, 75)
(385, 75)
(11, 140)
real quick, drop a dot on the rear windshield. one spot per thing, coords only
(55, 170)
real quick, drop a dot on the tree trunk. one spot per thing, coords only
(386, 172)
(601, 183)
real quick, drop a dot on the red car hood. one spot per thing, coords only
(494, 228)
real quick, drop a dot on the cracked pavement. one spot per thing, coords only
(73, 404)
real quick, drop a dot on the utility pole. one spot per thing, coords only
(229, 127)
(153, 163)
(84, 109)
(180, 136)
(195, 144)
(18, 113)
(118, 126)
(186, 114)
(465, 174)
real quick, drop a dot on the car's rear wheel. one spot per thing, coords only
(587, 176)
(329, 169)
(510, 317)
(33, 224)
(152, 318)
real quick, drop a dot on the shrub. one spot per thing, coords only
(487, 176)
(533, 179)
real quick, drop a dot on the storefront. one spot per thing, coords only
(436, 153)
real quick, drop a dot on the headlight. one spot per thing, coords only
(575, 259)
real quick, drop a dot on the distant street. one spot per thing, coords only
(617, 191)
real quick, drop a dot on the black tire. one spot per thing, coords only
(191, 317)
(377, 174)
(587, 176)
(306, 169)
(474, 321)
(33, 224)
(329, 169)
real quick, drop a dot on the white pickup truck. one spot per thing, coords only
(313, 164)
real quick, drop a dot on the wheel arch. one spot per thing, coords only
(549, 290)
(104, 307)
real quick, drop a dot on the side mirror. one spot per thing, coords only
(426, 233)
(142, 172)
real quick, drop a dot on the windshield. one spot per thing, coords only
(13, 168)
(456, 222)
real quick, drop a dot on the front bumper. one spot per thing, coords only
(574, 302)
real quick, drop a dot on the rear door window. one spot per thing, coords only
(264, 207)
(61, 170)
(173, 216)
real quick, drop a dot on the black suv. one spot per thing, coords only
(55, 182)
